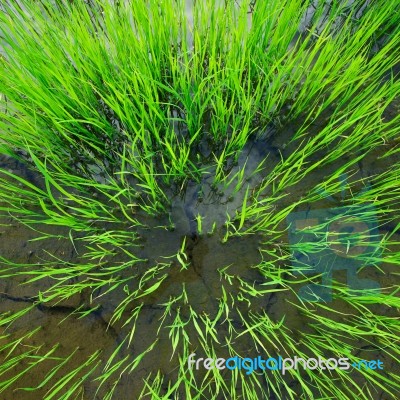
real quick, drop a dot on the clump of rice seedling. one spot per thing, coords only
(154, 168)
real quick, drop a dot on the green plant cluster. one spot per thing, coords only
(115, 107)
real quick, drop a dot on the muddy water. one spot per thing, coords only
(201, 281)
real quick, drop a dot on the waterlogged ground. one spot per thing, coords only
(206, 253)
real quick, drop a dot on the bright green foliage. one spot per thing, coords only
(115, 107)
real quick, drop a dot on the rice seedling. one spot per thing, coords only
(131, 129)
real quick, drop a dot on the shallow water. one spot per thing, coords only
(201, 280)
